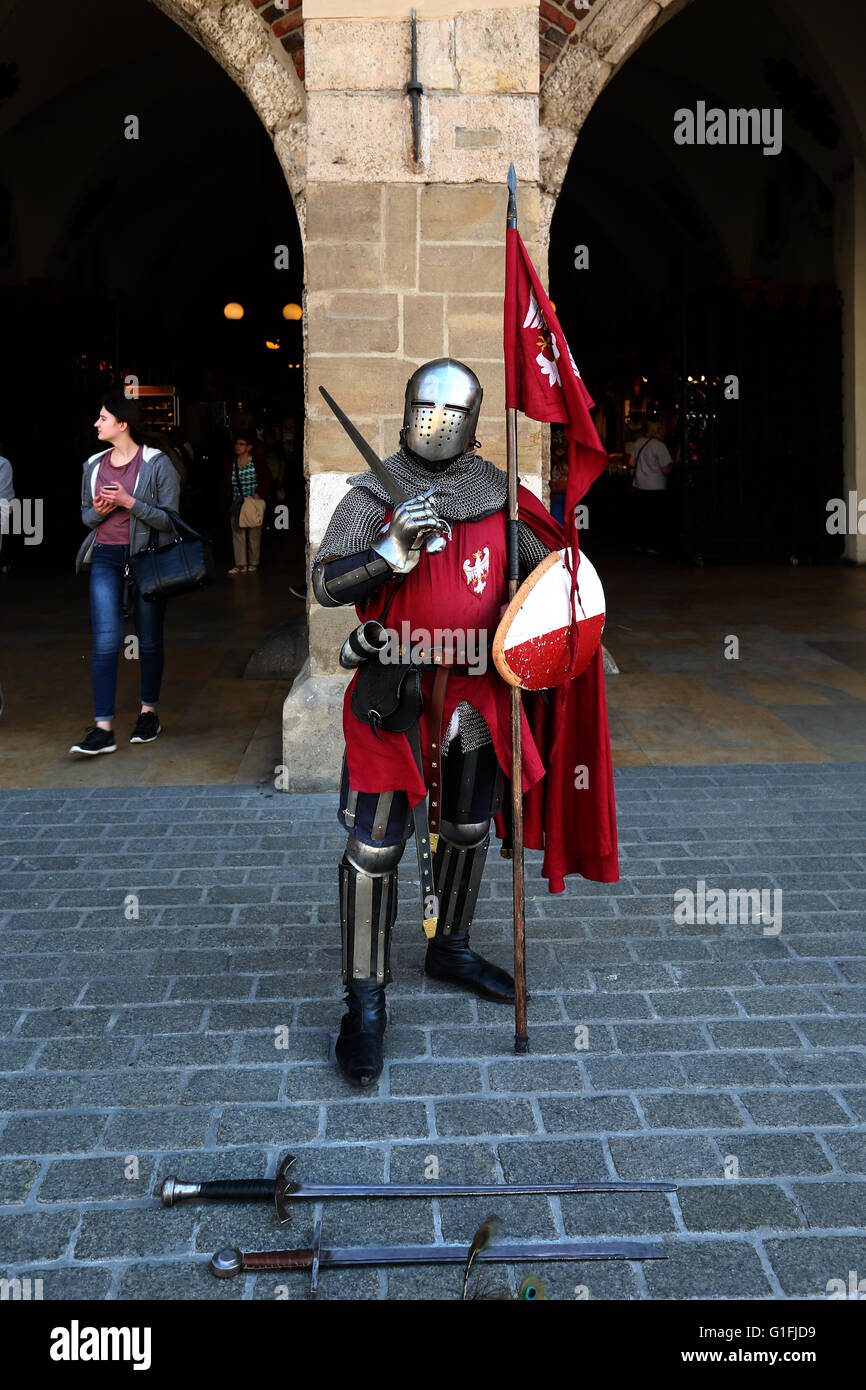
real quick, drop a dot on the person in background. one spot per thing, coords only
(180, 454)
(651, 465)
(246, 475)
(125, 490)
(275, 457)
(7, 495)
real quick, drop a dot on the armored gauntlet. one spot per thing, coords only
(411, 523)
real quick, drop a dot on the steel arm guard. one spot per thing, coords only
(349, 579)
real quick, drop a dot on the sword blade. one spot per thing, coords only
(317, 1191)
(395, 491)
(518, 1253)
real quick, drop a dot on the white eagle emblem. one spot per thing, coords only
(476, 569)
(547, 339)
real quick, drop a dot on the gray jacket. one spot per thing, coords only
(156, 487)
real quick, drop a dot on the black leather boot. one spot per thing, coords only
(368, 906)
(362, 1029)
(458, 866)
(449, 958)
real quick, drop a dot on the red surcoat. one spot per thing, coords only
(572, 818)
(459, 593)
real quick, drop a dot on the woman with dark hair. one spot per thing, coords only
(125, 491)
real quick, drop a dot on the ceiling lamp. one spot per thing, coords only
(292, 311)
(272, 346)
(234, 310)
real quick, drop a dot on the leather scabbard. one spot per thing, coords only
(437, 702)
(422, 842)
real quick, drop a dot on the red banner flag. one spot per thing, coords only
(541, 376)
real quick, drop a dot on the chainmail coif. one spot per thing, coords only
(468, 487)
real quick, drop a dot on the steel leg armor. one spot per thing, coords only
(368, 907)
(458, 866)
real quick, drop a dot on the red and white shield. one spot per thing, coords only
(531, 646)
(476, 570)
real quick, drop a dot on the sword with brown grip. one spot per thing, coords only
(226, 1263)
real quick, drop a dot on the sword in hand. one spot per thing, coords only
(435, 543)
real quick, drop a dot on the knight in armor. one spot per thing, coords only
(444, 777)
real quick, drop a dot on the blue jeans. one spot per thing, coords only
(109, 626)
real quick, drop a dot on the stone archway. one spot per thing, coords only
(595, 48)
(584, 51)
(258, 56)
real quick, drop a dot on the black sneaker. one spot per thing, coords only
(96, 740)
(147, 728)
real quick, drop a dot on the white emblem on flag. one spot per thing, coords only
(476, 569)
(534, 317)
(549, 365)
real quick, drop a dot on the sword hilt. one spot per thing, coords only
(436, 544)
(220, 1189)
(226, 1263)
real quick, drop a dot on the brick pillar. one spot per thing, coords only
(403, 263)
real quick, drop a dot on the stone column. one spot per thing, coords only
(403, 262)
(851, 275)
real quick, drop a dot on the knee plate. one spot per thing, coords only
(466, 834)
(373, 859)
(368, 907)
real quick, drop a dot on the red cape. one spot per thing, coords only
(575, 825)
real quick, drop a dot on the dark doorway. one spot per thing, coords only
(118, 256)
(710, 300)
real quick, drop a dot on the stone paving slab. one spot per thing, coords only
(169, 998)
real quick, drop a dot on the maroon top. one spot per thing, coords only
(114, 530)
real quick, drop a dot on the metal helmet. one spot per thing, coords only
(443, 400)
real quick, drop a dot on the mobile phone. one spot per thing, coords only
(109, 487)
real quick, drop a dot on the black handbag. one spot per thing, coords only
(185, 563)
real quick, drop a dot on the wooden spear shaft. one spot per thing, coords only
(521, 1037)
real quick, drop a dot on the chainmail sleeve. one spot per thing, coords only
(354, 527)
(530, 550)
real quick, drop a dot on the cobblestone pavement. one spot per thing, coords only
(131, 1048)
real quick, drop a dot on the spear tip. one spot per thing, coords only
(511, 213)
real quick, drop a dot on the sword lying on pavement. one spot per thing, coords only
(227, 1263)
(282, 1191)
